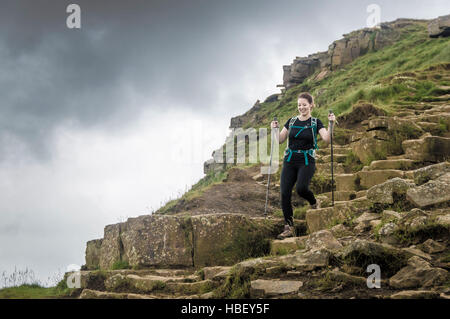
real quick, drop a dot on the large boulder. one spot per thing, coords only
(322, 239)
(384, 193)
(418, 273)
(432, 192)
(183, 241)
(323, 218)
(424, 174)
(309, 260)
(162, 241)
(224, 239)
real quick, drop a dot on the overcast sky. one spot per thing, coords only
(111, 120)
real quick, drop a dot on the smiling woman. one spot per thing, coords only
(299, 161)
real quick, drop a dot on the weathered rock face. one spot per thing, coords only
(384, 193)
(158, 241)
(344, 51)
(439, 27)
(428, 149)
(431, 193)
(182, 241)
(249, 116)
(418, 273)
(368, 147)
(93, 253)
(224, 239)
(424, 174)
(111, 248)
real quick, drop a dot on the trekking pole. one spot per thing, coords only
(332, 177)
(270, 166)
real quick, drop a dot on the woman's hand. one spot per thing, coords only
(331, 117)
(274, 124)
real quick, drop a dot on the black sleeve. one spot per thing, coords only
(287, 124)
(319, 125)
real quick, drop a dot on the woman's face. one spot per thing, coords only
(304, 108)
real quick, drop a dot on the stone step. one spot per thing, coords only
(325, 168)
(287, 245)
(150, 284)
(337, 158)
(398, 164)
(94, 278)
(261, 288)
(433, 128)
(96, 294)
(345, 195)
(365, 179)
(336, 151)
(324, 218)
(395, 157)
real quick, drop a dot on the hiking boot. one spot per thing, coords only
(316, 205)
(288, 232)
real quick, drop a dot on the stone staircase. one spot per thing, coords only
(311, 266)
(149, 283)
(334, 244)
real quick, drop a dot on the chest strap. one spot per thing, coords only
(310, 152)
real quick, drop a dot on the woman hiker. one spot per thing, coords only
(299, 162)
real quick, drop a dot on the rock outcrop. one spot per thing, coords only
(439, 27)
(182, 241)
(345, 50)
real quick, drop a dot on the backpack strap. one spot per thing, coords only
(291, 123)
(314, 130)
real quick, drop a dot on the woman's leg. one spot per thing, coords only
(288, 179)
(304, 176)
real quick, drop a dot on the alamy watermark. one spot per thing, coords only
(374, 280)
(374, 19)
(258, 149)
(73, 21)
(74, 279)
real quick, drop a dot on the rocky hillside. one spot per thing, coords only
(392, 186)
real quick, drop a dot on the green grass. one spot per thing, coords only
(35, 291)
(120, 265)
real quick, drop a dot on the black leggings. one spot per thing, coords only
(292, 173)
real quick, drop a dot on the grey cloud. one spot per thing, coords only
(135, 55)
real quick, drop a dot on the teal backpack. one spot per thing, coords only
(312, 151)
